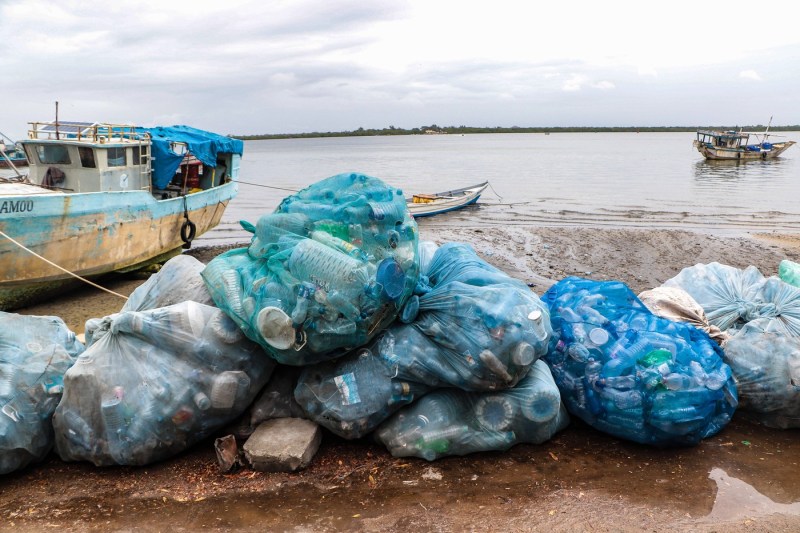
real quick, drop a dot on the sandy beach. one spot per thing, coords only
(582, 480)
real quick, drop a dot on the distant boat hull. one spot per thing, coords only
(740, 154)
(90, 234)
(426, 205)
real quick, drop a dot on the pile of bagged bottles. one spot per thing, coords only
(35, 352)
(429, 348)
(631, 373)
(762, 317)
(474, 328)
(329, 269)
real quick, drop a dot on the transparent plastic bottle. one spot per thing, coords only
(313, 261)
(388, 212)
(789, 272)
(8, 382)
(339, 244)
(678, 381)
(494, 413)
(202, 401)
(225, 389)
(78, 432)
(541, 404)
(495, 365)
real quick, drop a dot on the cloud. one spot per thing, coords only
(604, 85)
(574, 83)
(246, 66)
(750, 75)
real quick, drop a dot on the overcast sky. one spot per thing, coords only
(275, 66)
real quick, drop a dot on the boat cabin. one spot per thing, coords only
(723, 139)
(80, 157)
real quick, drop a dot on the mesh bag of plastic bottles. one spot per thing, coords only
(789, 272)
(633, 374)
(764, 356)
(475, 329)
(728, 295)
(453, 422)
(154, 383)
(324, 273)
(35, 352)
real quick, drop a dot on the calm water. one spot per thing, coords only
(600, 179)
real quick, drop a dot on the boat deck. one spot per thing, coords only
(23, 189)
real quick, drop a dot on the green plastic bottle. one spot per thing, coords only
(789, 272)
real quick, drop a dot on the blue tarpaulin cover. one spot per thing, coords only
(204, 145)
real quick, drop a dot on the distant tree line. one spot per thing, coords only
(433, 129)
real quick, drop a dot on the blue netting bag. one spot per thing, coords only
(729, 296)
(324, 273)
(453, 422)
(764, 356)
(475, 328)
(155, 382)
(35, 352)
(633, 374)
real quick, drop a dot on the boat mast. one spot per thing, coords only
(56, 119)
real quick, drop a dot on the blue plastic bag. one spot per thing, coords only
(633, 374)
(324, 273)
(35, 352)
(453, 422)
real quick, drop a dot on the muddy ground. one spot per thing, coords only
(743, 479)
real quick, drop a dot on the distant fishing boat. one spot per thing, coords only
(101, 198)
(11, 158)
(425, 205)
(11, 155)
(736, 145)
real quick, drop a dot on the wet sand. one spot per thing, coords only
(743, 479)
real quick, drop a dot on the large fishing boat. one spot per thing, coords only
(737, 146)
(103, 198)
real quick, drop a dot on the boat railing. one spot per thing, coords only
(83, 131)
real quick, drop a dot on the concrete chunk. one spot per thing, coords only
(283, 445)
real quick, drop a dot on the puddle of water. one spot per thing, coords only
(737, 499)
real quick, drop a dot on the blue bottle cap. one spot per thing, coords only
(391, 276)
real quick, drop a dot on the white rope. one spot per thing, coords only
(62, 269)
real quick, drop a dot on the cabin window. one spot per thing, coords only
(140, 155)
(116, 157)
(53, 154)
(87, 157)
